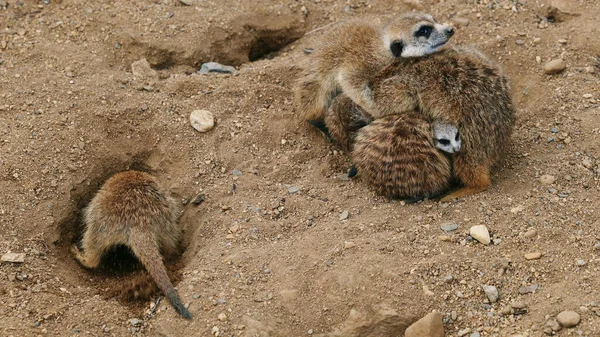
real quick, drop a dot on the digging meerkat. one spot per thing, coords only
(131, 209)
(354, 51)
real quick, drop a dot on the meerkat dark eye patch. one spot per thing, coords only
(457, 136)
(396, 47)
(424, 31)
(444, 141)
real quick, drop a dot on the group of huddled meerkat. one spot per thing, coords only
(413, 114)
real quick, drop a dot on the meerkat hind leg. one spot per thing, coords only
(89, 258)
(476, 180)
(357, 89)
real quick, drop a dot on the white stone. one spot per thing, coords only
(481, 234)
(13, 257)
(202, 120)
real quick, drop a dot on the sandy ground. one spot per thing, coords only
(277, 263)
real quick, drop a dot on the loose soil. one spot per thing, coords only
(277, 263)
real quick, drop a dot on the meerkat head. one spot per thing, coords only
(415, 34)
(446, 137)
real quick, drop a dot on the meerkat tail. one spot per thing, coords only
(146, 250)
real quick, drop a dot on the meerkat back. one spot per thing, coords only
(354, 51)
(396, 155)
(463, 87)
(131, 209)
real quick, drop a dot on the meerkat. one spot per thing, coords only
(462, 87)
(131, 209)
(350, 55)
(344, 119)
(399, 156)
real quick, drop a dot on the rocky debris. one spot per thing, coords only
(293, 189)
(481, 234)
(568, 319)
(135, 322)
(463, 332)
(237, 173)
(385, 322)
(555, 66)
(344, 215)
(214, 67)
(13, 257)
(533, 256)
(449, 227)
(187, 2)
(552, 326)
(530, 234)
(198, 199)
(142, 70)
(547, 179)
(202, 120)
(528, 289)
(349, 244)
(491, 293)
(222, 317)
(432, 325)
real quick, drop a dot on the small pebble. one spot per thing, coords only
(553, 325)
(581, 263)
(13, 257)
(588, 96)
(345, 214)
(554, 129)
(198, 199)
(530, 234)
(481, 234)
(547, 179)
(449, 227)
(533, 256)
(520, 42)
(237, 173)
(135, 322)
(568, 319)
(475, 334)
(528, 289)
(491, 293)
(448, 278)
(202, 120)
(555, 66)
(214, 67)
(293, 189)
(463, 332)
(349, 244)
(222, 317)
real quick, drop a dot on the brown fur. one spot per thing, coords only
(464, 88)
(343, 120)
(394, 154)
(131, 209)
(349, 56)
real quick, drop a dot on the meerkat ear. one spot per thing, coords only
(396, 47)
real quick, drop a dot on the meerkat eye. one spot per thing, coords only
(396, 47)
(424, 31)
(444, 141)
(457, 137)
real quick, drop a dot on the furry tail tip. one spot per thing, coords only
(179, 307)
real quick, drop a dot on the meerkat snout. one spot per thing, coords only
(446, 137)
